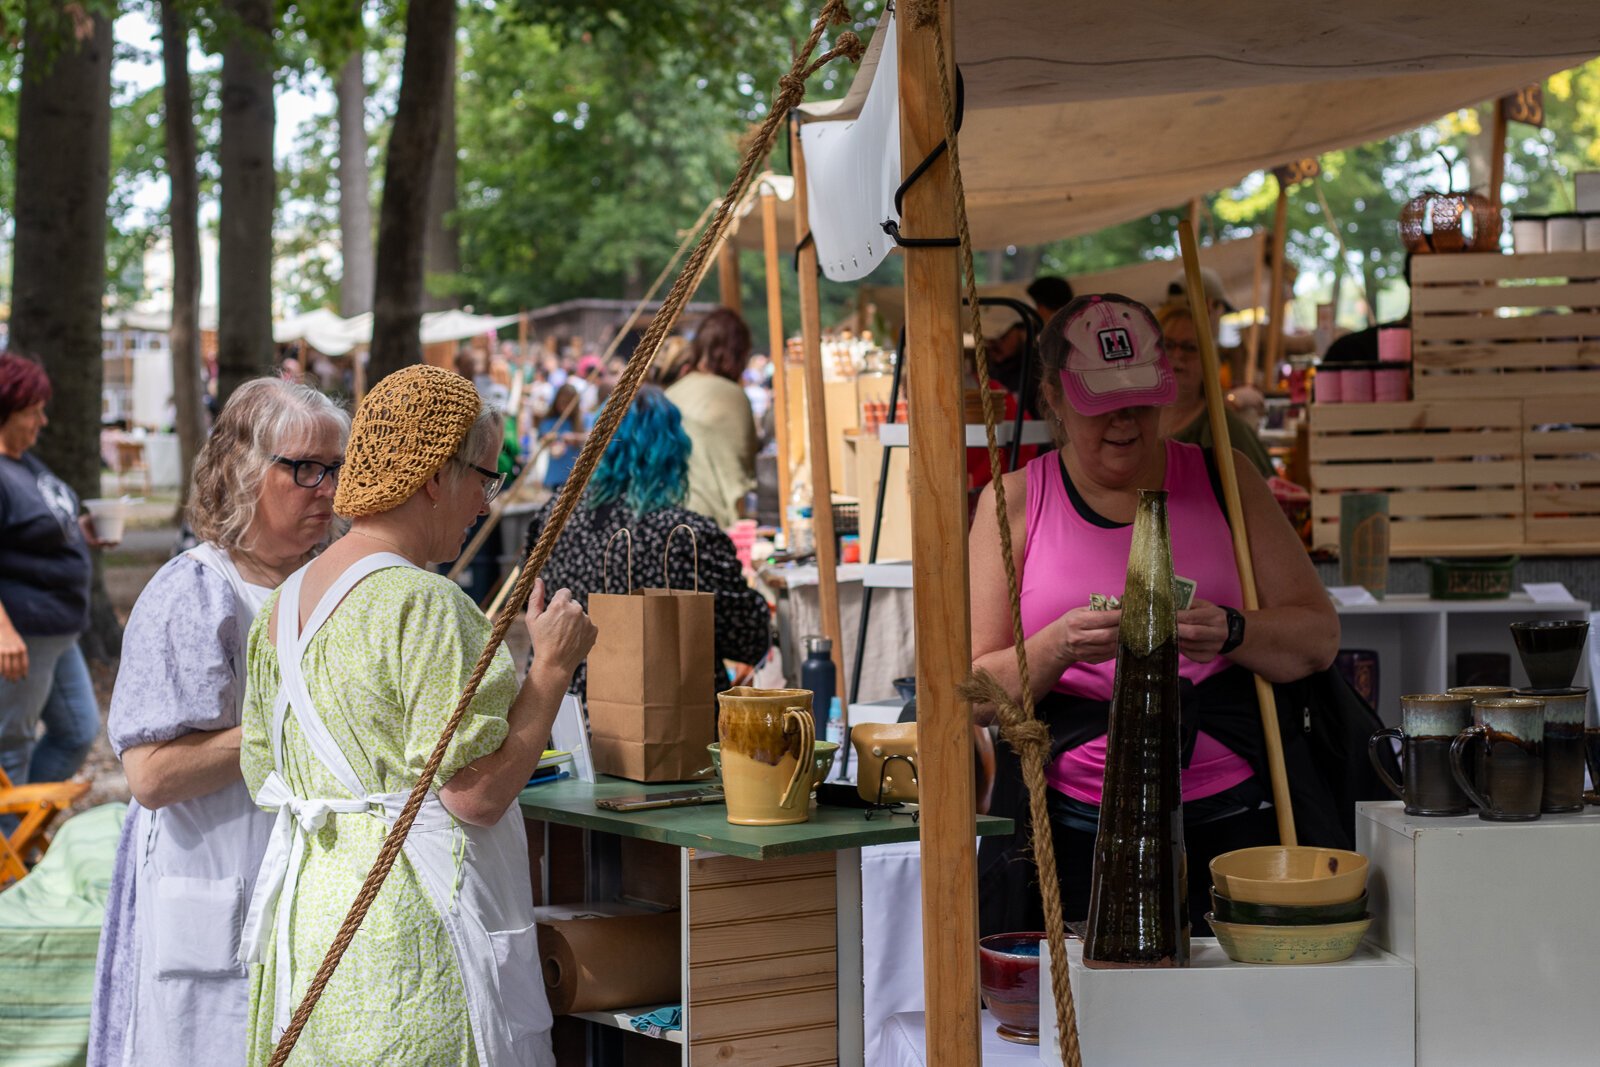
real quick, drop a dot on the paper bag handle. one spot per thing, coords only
(605, 558)
(808, 747)
(666, 575)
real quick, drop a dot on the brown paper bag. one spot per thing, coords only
(652, 705)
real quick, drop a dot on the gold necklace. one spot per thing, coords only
(384, 540)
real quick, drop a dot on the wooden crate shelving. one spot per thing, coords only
(1453, 471)
(1488, 326)
(1561, 457)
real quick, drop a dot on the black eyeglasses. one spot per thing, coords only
(493, 481)
(308, 473)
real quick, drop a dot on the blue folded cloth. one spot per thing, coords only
(655, 1023)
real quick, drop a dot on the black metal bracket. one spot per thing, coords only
(893, 807)
(890, 226)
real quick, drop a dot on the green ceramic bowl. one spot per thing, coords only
(1244, 911)
(1329, 943)
(822, 754)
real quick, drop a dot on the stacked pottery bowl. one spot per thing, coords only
(1289, 904)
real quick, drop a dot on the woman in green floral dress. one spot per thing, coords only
(355, 666)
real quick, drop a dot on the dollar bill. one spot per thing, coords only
(1183, 591)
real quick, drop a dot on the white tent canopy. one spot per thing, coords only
(326, 332)
(1080, 118)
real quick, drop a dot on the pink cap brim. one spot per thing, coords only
(1116, 394)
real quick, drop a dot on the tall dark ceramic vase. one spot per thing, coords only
(1139, 900)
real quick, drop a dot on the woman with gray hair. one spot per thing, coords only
(355, 667)
(171, 985)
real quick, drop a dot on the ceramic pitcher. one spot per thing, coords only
(767, 737)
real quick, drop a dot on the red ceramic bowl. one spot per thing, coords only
(1008, 971)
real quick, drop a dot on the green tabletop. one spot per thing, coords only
(571, 803)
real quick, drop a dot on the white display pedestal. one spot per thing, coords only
(1493, 916)
(1220, 1012)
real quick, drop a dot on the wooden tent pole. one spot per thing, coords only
(817, 421)
(934, 375)
(1252, 366)
(728, 275)
(1497, 166)
(776, 341)
(1223, 448)
(1275, 293)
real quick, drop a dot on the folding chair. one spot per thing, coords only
(37, 805)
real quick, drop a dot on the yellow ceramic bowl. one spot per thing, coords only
(1282, 874)
(1290, 944)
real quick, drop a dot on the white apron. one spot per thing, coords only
(487, 910)
(195, 867)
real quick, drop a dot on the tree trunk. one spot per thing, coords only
(403, 217)
(63, 179)
(188, 374)
(443, 247)
(244, 292)
(355, 195)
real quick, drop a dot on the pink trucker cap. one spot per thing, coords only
(1114, 356)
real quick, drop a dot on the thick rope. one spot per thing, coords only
(1019, 725)
(790, 92)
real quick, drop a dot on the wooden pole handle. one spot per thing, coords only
(1222, 446)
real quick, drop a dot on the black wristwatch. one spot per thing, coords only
(1235, 630)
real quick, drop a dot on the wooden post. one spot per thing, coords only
(1189, 243)
(728, 275)
(1497, 165)
(522, 336)
(358, 373)
(777, 341)
(1252, 369)
(817, 421)
(939, 564)
(1275, 294)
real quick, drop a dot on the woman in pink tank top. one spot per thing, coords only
(1105, 376)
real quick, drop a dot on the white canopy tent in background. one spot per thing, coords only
(1079, 118)
(332, 336)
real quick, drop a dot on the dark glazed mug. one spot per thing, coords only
(1429, 723)
(1564, 712)
(1510, 781)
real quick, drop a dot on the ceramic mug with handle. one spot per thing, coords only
(767, 738)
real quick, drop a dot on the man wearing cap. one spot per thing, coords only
(1106, 377)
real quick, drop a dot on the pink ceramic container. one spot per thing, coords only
(1328, 384)
(1394, 344)
(1357, 385)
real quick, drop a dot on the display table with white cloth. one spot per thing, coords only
(904, 1043)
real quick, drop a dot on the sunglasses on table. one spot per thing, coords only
(308, 473)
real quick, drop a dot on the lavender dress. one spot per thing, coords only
(169, 986)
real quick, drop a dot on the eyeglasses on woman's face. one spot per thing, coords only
(308, 473)
(493, 481)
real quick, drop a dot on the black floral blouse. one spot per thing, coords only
(743, 620)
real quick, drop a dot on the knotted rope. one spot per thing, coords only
(791, 90)
(1022, 729)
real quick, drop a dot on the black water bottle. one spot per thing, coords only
(817, 674)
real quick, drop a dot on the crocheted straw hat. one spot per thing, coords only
(406, 428)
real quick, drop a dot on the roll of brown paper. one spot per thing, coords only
(604, 963)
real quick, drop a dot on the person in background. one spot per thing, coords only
(1007, 357)
(566, 424)
(355, 665)
(717, 418)
(44, 596)
(170, 986)
(1186, 418)
(640, 485)
(672, 362)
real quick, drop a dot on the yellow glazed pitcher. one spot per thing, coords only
(767, 736)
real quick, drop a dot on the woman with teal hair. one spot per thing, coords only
(640, 486)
